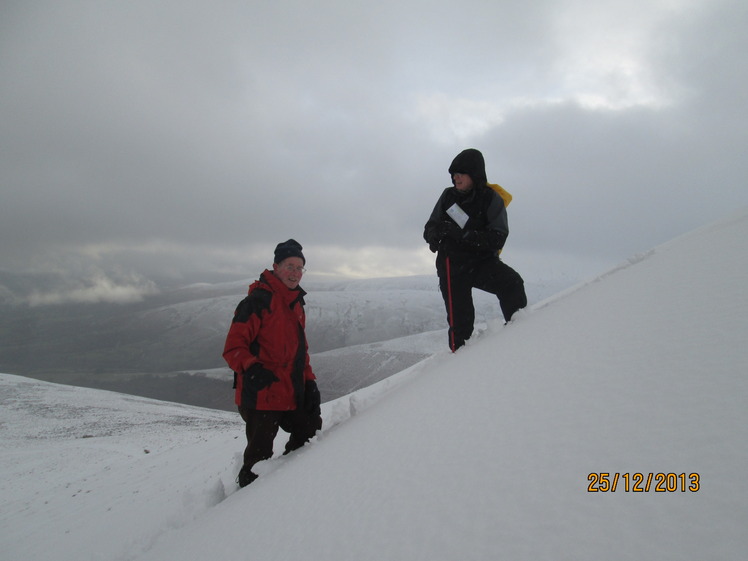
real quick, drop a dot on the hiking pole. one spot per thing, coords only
(449, 308)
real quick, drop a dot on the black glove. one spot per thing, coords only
(483, 240)
(312, 398)
(473, 239)
(257, 377)
(443, 232)
(449, 230)
(433, 238)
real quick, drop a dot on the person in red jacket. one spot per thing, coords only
(266, 348)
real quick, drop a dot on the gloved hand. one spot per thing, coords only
(449, 230)
(482, 241)
(433, 237)
(444, 234)
(473, 238)
(312, 398)
(257, 377)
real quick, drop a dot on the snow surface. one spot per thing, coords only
(481, 454)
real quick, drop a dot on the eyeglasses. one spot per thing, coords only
(294, 269)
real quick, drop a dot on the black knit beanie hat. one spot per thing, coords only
(290, 248)
(470, 162)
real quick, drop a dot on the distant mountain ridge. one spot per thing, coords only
(141, 347)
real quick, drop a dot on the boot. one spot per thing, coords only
(245, 477)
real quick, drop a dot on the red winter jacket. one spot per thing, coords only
(267, 334)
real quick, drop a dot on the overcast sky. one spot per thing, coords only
(146, 140)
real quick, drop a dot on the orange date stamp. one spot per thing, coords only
(603, 482)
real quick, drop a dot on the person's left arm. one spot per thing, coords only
(493, 236)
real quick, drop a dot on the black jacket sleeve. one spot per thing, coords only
(486, 230)
(432, 231)
(493, 235)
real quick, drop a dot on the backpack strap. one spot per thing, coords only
(505, 195)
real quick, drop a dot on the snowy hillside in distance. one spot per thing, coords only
(503, 450)
(371, 328)
(169, 346)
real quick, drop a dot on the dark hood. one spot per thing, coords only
(470, 162)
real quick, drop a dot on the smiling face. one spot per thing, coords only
(289, 271)
(462, 181)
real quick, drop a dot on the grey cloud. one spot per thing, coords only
(171, 138)
(97, 289)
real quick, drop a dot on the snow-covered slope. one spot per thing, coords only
(484, 454)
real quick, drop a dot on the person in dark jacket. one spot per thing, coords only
(266, 348)
(467, 229)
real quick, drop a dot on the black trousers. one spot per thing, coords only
(456, 282)
(262, 428)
